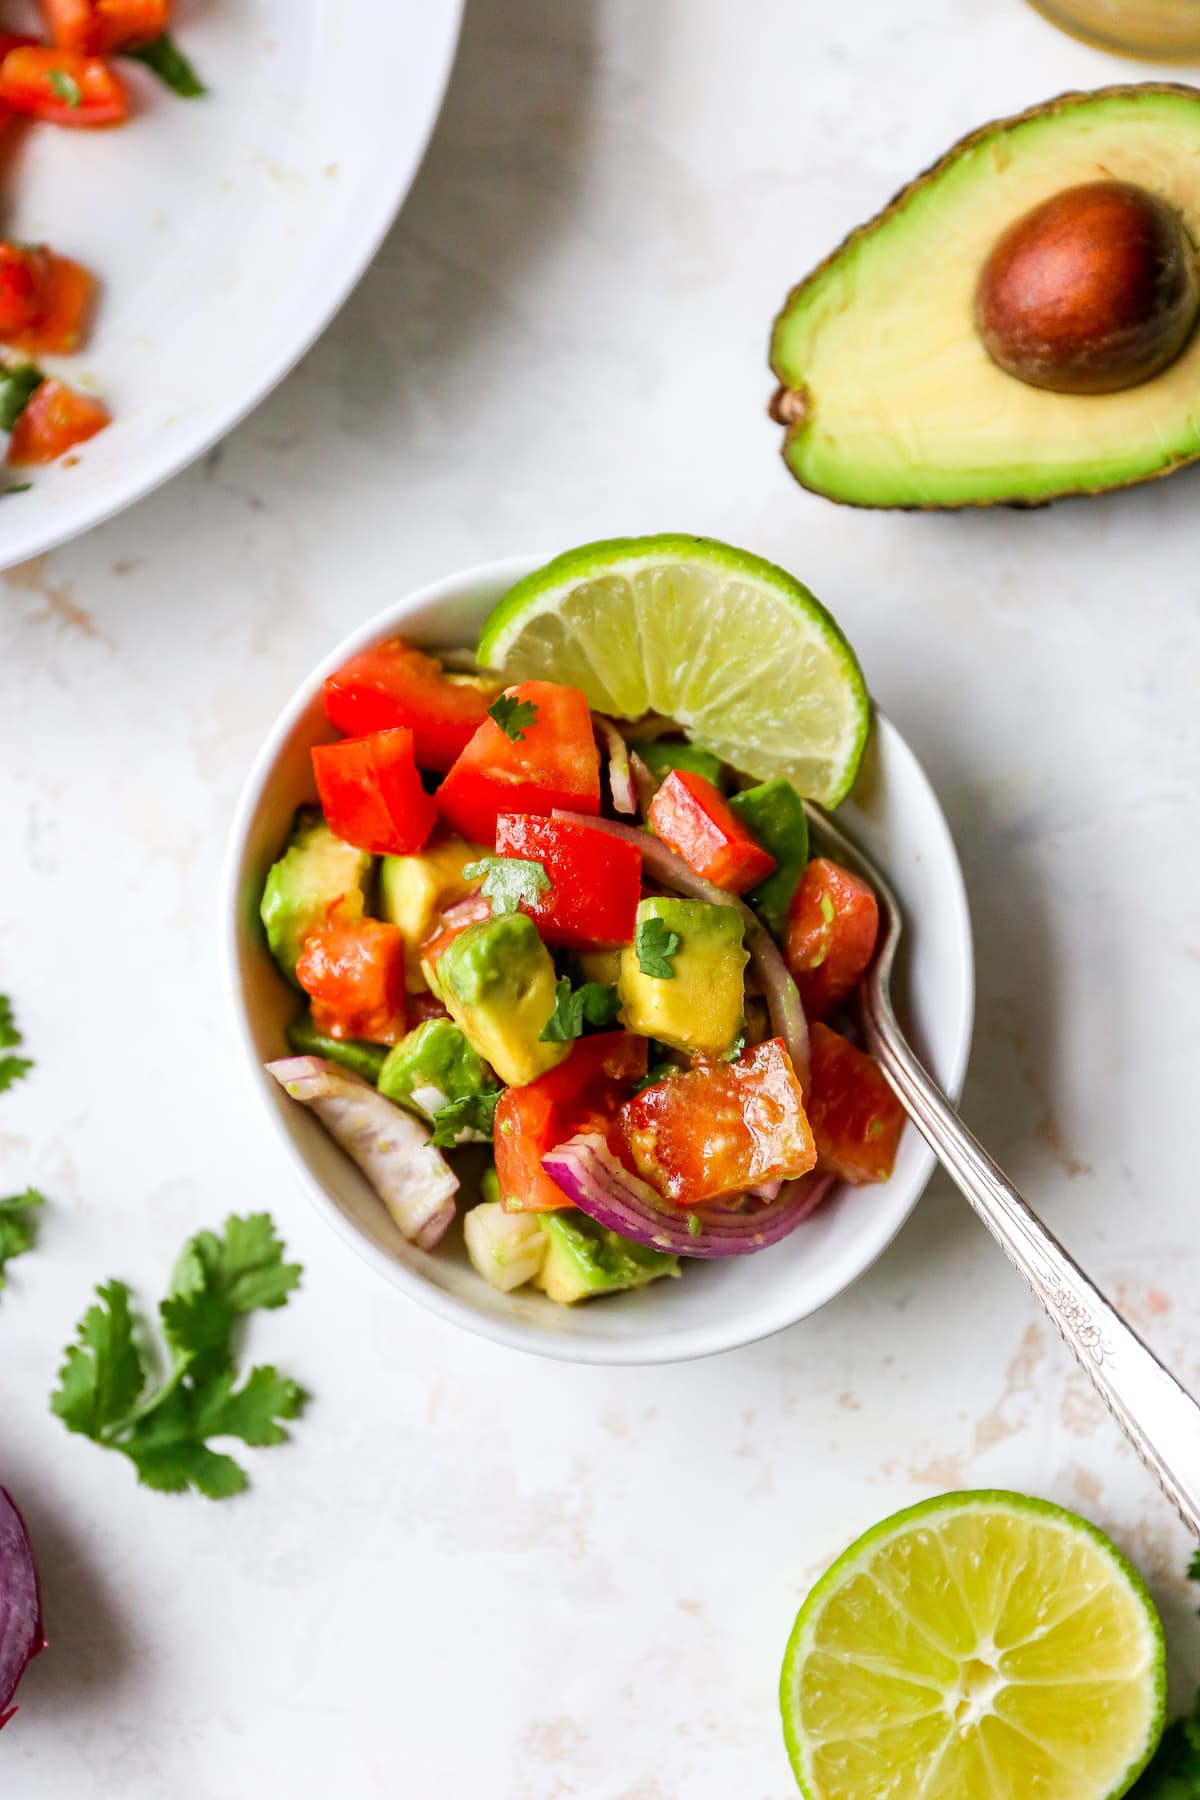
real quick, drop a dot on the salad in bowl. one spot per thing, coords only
(549, 904)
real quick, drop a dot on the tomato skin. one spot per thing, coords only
(554, 763)
(395, 684)
(28, 76)
(354, 975)
(595, 880)
(696, 821)
(24, 272)
(94, 26)
(55, 419)
(371, 792)
(66, 296)
(833, 922)
(856, 1118)
(582, 1093)
(720, 1128)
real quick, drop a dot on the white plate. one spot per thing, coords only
(227, 231)
(716, 1305)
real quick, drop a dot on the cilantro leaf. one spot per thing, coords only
(507, 880)
(595, 1001)
(163, 56)
(735, 1049)
(12, 1068)
(17, 1227)
(473, 1112)
(18, 384)
(656, 1072)
(165, 1432)
(1193, 1568)
(512, 715)
(655, 944)
(66, 88)
(1174, 1770)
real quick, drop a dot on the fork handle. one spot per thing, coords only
(1157, 1415)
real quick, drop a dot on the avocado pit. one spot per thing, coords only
(1093, 291)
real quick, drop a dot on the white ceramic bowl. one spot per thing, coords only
(716, 1305)
(226, 231)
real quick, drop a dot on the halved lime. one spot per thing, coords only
(734, 649)
(979, 1646)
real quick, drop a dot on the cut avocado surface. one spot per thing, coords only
(891, 398)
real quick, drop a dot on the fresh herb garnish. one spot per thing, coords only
(18, 384)
(735, 1049)
(17, 1225)
(595, 1002)
(657, 1071)
(473, 1112)
(165, 1432)
(19, 487)
(66, 87)
(507, 880)
(655, 944)
(12, 1068)
(512, 716)
(166, 59)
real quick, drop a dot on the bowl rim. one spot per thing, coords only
(657, 1347)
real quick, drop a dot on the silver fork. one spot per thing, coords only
(1157, 1415)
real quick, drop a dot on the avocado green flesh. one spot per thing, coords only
(352, 1053)
(432, 1066)
(583, 1259)
(900, 403)
(774, 812)
(317, 879)
(498, 982)
(700, 1006)
(664, 754)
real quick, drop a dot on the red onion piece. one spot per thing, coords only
(620, 776)
(21, 1635)
(600, 1186)
(779, 990)
(645, 781)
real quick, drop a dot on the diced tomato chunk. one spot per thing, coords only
(694, 819)
(371, 792)
(94, 26)
(66, 295)
(595, 880)
(62, 87)
(583, 1093)
(355, 977)
(24, 274)
(552, 761)
(54, 420)
(721, 1127)
(856, 1118)
(833, 922)
(394, 684)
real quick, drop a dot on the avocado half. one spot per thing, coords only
(890, 398)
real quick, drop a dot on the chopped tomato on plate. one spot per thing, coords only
(24, 274)
(549, 760)
(54, 420)
(58, 322)
(721, 1128)
(694, 819)
(62, 87)
(833, 922)
(583, 1093)
(856, 1118)
(96, 26)
(395, 684)
(595, 880)
(371, 792)
(354, 975)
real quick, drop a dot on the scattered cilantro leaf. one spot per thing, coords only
(18, 1226)
(66, 88)
(507, 880)
(655, 945)
(735, 1049)
(1174, 1769)
(1193, 1568)
(657, 1071)
(596, 1002)
(18, 384)
(474, 1112)
(165, 1432)
(12, 1068)
(163, 56)
(513, 715)
(19, 487)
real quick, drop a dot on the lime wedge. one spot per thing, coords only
(976, 1647)
(734, 649)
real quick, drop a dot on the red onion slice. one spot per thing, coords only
(620, 775)
(21, 1635)
(600, 1186)
(645, 781)
(779, 990)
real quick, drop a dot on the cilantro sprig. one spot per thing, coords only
(18, 384)
(473, 1112)
(103, 1386)
(66, 88)
(595, 1002)
(513, 715)
(507, 880)
(18, 1226)
(165, 59)
(655, 945)
(12, 1068)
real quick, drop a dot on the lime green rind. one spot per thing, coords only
(541, 593)
(982, 1499)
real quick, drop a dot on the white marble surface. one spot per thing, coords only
(473, 1576)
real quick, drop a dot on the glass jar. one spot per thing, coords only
(1160, 28)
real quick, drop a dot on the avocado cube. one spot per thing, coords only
(414, 889)
(431, 1066)
(700, 1006)
(319, 880)
(584, 1259)
(498, 983)
(350, 1053)
(665, 754)
(774, 812)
